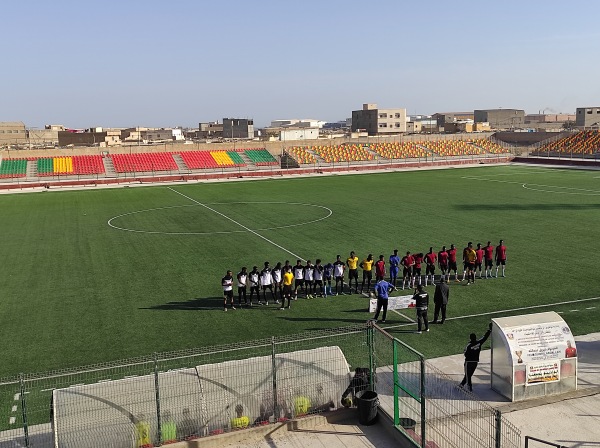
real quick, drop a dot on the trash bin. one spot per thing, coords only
(367, 402)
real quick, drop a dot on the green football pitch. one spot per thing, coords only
(102, 275)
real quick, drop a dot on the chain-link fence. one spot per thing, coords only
(180, 395)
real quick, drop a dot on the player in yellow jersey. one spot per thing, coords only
(470, 257)
(367, 267)
(352, 263)
(288, 281)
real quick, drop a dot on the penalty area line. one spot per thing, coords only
(238, 223)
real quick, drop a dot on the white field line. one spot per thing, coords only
(14, 408)
(238, 223)
(468, 316)
(12, 421)
(526, 185)
(17, 396)
(405, 316)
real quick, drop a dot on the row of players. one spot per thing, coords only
(285, 281)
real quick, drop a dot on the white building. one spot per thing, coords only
(298, 123)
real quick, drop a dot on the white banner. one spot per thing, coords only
(540, 342)
(394, 303)
(543, 372)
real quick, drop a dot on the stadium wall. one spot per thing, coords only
(274, 148)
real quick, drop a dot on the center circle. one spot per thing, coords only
(244, 225)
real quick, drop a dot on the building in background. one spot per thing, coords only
(12, 133)
(298, 123)
(90, 137)
(379, 121)
(238, 128)
(587, 117)
(44, 138)
(548, 118)
(211, 129)
(451, 117)
(501, 118)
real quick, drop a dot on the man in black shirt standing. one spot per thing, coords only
(440, 299)
(472, 351)
(421, 299)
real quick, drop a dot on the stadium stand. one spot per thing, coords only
(581, 143)
(301, 155)
(10, 168)
(343, 153)
(396, 150)
(53, 166)
(260, 157)
(198, 160)
(162, 161)
(490, 146)
(452, 148)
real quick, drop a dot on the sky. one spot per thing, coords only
(181, 62)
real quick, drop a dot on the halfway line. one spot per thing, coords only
(239, 224)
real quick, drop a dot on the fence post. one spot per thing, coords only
(24, 409)
(498, 419)
(371, 347)
(396, 407)
(274, 376)
(423, 439)
(156, 388)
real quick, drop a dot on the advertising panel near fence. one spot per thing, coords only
(543, 372)
(394, 303)
(540, 342)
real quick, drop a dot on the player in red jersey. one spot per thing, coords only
(443, 261)
(408, 263)
(452, 263)
(430, 259)
(479, 254)
(489, 259)
(417, 269)
(500, 257)
(379, 269)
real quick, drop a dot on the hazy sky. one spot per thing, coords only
(178, 62)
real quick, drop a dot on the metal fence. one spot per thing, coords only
(197, 393)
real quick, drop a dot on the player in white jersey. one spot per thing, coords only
(254, 278)
(227, 283)
(318, 276)
(338, 273)
(266, 281)
(242, 279)
(309, 271)
(277, 274)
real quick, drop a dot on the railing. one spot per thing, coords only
(528, 438)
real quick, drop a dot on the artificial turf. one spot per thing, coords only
(75, 290)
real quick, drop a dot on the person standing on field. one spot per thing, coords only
(288, 280)
(440, 299)
(430, 259)
(472, 351)
(382, 291)
(452, 263)
(479, 254)
(394, 267)
(227, 284)
(254, 278)
(277, 274)
(421, 299)
(242, 279)
(443, 262)
(500, 257)
(352, 263)
(380, 269)
(489, 259)
(367, 267)
(338, 273)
